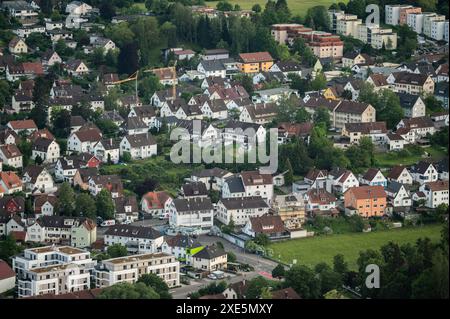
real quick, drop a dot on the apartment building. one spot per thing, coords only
(436, 193)
(367, 201)
(433, 25)
(255, 62)
(130, 268)
(411, 83)
(136, 239)
(191, 212)
(397, 14)
(323, 44)
(52, 270)
(415, 22)
(240, 209)
(350, 25)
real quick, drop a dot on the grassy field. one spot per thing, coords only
(391, 159)
(311, 251)
(297, 7)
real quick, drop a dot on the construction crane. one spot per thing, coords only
(173, 70)
(134, 77)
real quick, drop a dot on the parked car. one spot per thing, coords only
(106, 223)
(126, 222)
(212, 276)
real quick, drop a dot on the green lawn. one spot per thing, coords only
(311, 251)
(297, 7)
(392, 159)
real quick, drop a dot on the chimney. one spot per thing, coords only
(286, 294)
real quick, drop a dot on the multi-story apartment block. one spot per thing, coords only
(367, 201)
(194, 213)
(240, 209)
(397, 14)
(130, 268)
(52, 270)
(135, 238)
(411, 83)
(429, 20)
(436, 193)
(415, 22)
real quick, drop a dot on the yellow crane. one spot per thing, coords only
(134, 77)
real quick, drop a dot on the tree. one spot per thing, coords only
(322, 117)
(117, 250)
(9, 248)
(256, 286)
(302, 116)
(61, 123)
(85, 206)
(105, 205)
(257, 8)
(148, 185)
(319, 82)
(224, 6)
(158, 284)
(317, 18)
(433, 105)
(302, 279)
(231, 257)
(339, 264)
(329, 279)
(107, 10)
(128, 60)
(126, 290)
(108, 127)
(266, 293)
(65, 205)
(38, 160)
(262, 239)
(278, 271)
(289, 176)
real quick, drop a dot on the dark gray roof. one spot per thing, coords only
(192, 204)
(213, 65)
(394, 187)
(407, 101)
(183, 241)
(139, 140)
(235, 184)
(244, 202)
(194, 189)
(210, 252)
(133, 231)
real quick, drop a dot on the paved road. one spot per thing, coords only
(260, 263)
(185, 290)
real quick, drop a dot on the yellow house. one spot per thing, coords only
(330, 94)
(255, 62)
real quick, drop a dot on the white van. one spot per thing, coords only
(106, 223)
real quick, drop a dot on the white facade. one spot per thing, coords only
(129, 269)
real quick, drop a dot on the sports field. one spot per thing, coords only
(311, 251)
(297, 7)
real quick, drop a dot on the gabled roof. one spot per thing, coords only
(396, 171)
(192, 204)
(410, 78)
(156, 200)
(371, 173)
(367, 128)
(194, 189)
(255, 57)
(139, 140)
(394, 187)
(267, 224)
(244, 202)
(421, 167)
(289, 66)
(252, 178)
(133, 231)
(320, 196)
(315, 173)
(33, 171)
(6, 271)
(235, 184)
(10, 179)
(41, 144)
(285, 293)
(10, 151)
(183, 241)
(437, 186)
(366, 192)
(407, 101)
(210, 252)
(212, 172)
(22, 125)
(89, 135)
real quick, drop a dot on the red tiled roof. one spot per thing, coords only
(5, 270)
(255, 57)
(23, 124)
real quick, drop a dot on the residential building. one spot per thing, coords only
(270, 225)
(319, 200)
(126, 209)
(240, 209)
(376, 131)
(341, 180)
(424, 172)
(412, 105)
(210, 258)
(10, 183)
(411, 83)
(291, 209)
(398, 195)
(194, 213)
(84, 140)
(111, 183)
(367, 201)
(139, 146)
(47, 150)
(11, 155)
(130, 268)
(436, 193)
(37, 180)
(156, 204)
(17, 46)
(136, 239)
(52, 270)
(401, 175)
(373, 177)
(7, 277)
(255, 62)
